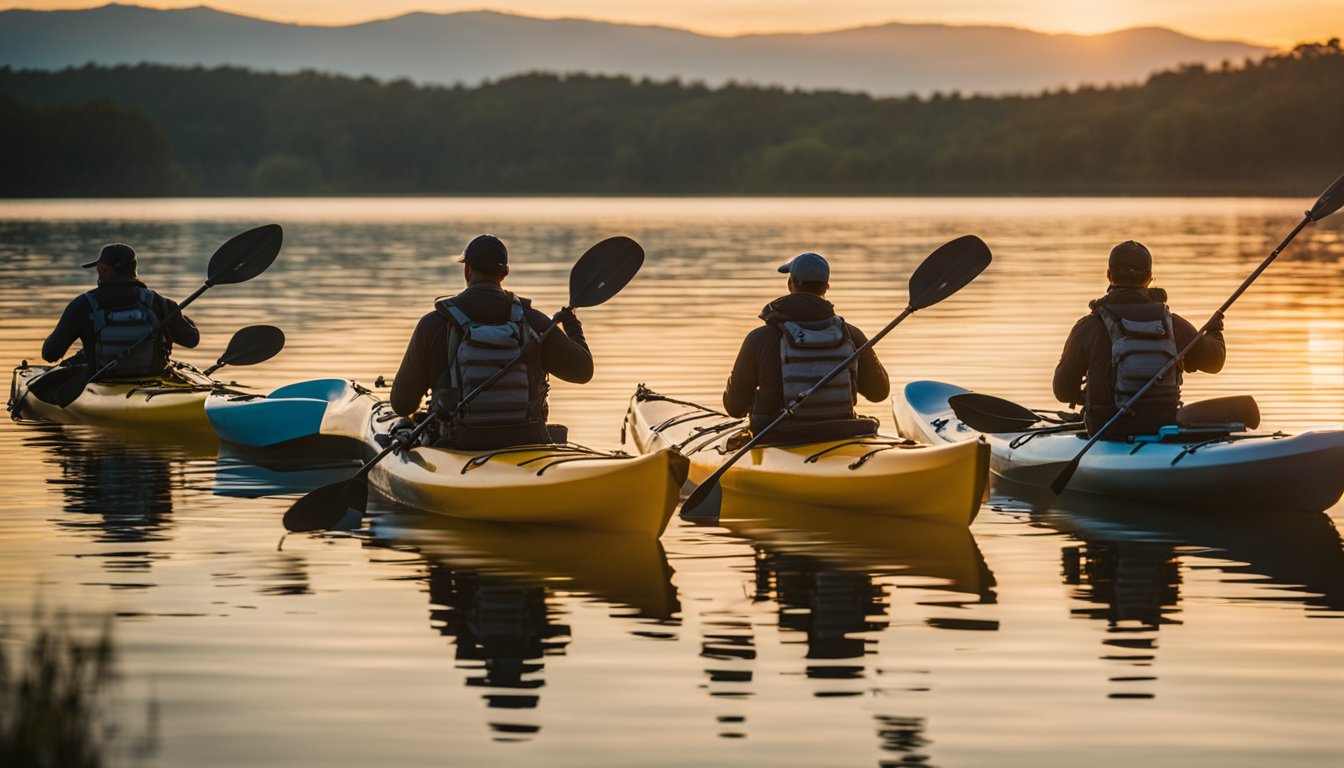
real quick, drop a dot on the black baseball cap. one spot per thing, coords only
(114, 255)
(1131, 263)
(486, 253)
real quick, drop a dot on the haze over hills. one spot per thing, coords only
(468, 48)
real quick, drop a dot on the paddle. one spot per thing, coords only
(240, 259)
(1238, 409)
(945, 271)
(1331, 200)
(598, 275)
(249, 346)
(986, 413)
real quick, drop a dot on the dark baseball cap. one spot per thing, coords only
(1131, 263)
(807, 268)
(114, 255)
(487, 253)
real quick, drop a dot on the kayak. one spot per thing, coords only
(874, 474)
(1224, 467)
(560, 484)
(173, 400)
(316, 408)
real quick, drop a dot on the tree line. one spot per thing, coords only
(1262, 127)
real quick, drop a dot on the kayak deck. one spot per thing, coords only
(1270, 470)
(561, 484)
(875, 474)
(175, 400)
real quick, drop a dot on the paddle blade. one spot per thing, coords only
(1235, 409)
(704, 503)
(986, 413)
(329, 507)
(948, 270)
(603, 271)
(245, 256)
(251, 345)
(1061, 480)
(1331, 200)
(61, 386)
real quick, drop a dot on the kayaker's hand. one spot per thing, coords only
(568, 319)
(1216, 324)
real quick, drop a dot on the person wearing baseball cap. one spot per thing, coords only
(111, 318)
(802, 340)
(468, 337)
(1123, 342)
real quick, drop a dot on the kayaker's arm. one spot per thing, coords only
(744, 380)
(872, 380)
(1072, 367)
(179, 328)
(564, 355)
(68, 330)
(1211, 351)
(426, 352)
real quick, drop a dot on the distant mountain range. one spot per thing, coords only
(467, 48)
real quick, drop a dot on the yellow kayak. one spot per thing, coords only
(874, 475)
(562, 484)
(175, 400)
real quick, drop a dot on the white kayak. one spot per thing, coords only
(1236, 469)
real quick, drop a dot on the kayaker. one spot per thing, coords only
(1128, 336)
(468, 337)
(110, 318)
(802, 340)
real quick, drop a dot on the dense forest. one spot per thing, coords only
(1268, 127)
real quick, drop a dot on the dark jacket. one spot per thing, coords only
(1085, 373)
(564, 355)
(76, 323)
(756, 386)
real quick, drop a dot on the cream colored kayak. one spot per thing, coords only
(174, 400)
(562, 484)
(875, 475)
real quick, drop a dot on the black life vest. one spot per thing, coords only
(1143, 339)
(808, 350)
(116, 329)
(477, 351)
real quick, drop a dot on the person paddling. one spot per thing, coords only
(801, 341)
(111, 318)
(470, 336)
(1125, 340)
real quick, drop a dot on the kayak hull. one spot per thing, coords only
(561, 485)
(175, 400)
(873, 475)
(1302, 472)
(335, 408)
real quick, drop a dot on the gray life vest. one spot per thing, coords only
(1139, 349)
(809, 350)
(115, 329)
(477, 351)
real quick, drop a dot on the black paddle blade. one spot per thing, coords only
(60, 386)
(1331, 200)
(948, 270)
(1235, 409)
(1061, 480)
(704, 503)
(986, 413)
(330, 507)
(251, 345)
(603, 271)
(245, 256)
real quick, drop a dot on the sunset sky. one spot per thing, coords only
(1282, 23)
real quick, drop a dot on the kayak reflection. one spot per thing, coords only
(1131, 561)
(497, 589)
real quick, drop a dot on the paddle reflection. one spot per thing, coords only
(497, 590)
(1133, 560)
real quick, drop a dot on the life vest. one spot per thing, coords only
(116, 329)
(809, 350)
(477, 351)
(1143, 339)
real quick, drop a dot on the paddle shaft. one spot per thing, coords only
(793, 405)
(435, 416)
(1062, 479)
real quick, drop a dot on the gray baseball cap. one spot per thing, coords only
(807, 268)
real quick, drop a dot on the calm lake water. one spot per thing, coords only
(1101, 635)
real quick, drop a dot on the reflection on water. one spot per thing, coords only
(784, 637)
